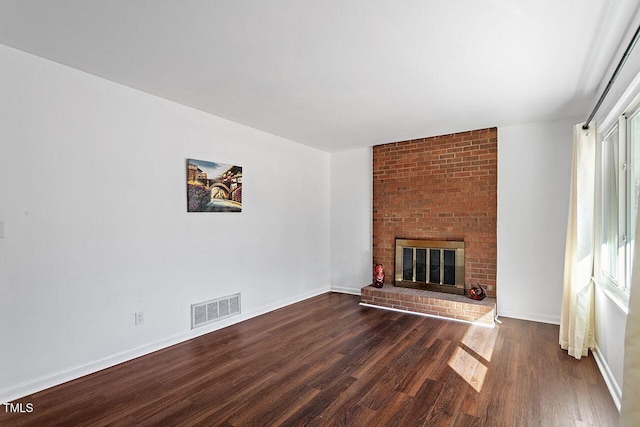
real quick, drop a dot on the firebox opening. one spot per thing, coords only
(429, 264)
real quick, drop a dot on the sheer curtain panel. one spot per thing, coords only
(576, 319)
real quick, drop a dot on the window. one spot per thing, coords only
(619, 195)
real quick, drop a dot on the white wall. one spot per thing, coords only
(351, 193)
(610, 327)
(92, 196)
(534, 172)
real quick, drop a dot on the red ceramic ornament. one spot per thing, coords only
(378, 276)
(477, 292)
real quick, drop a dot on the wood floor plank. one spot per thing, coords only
(327, 361)
(424, 404)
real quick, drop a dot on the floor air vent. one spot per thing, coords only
(206, 312)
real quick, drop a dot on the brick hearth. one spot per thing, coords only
(438, 304)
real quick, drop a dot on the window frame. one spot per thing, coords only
(618, 287)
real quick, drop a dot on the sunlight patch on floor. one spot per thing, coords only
(481, 341)
(471, 360)
(469, 368)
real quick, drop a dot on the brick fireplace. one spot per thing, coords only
(442, 188)
(439, 188)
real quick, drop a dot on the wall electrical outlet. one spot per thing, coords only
(139, 318)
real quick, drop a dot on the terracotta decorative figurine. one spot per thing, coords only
(378, 276)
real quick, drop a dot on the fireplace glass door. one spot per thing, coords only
(432, 265)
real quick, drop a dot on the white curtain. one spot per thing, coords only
(576, 320)
(630, 411)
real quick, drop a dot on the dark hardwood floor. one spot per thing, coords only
(328, 361)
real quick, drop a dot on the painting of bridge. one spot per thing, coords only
(213, 187)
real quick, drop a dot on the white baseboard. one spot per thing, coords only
(534, 317)
(346, 290)
(612, 385)
(17, 391)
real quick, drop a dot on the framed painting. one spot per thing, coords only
(213, 187)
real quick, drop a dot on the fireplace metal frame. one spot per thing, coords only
(458, 246)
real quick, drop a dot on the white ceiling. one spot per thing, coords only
(340, 74)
